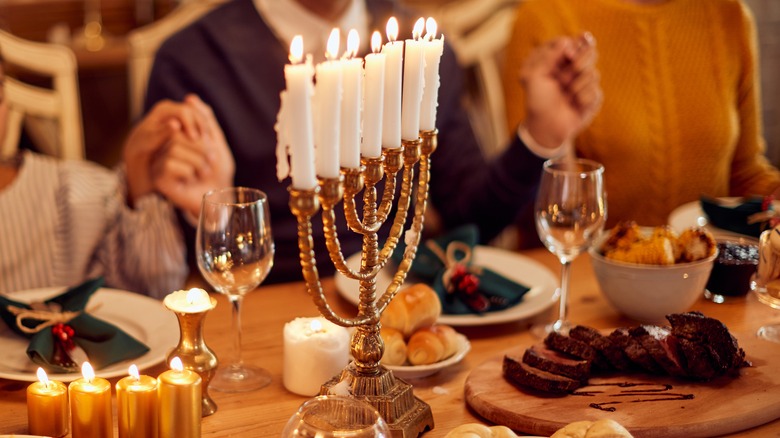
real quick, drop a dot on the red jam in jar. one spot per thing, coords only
(736, 263)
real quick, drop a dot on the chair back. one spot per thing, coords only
(144, 42)
(478, 31)
(51, 115)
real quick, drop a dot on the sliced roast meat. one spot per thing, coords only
(570, 346)
(634, 351)
(711, 334)
(545, 359)
(697, 361)
(662, 347)
(525, 375)
(608, 355)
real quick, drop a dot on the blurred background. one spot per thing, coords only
(103, 65)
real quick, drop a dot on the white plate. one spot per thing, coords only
(142, 317)
(514, 266)
(419, 371)
(692, 215)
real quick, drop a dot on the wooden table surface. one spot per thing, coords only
(263, 413)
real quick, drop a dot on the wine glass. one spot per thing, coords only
(235, 251)
(330, 416)
(570, 211)
(766, 280)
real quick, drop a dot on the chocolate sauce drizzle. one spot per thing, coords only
(654, 391)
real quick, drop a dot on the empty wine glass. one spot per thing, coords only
(235, 251)
(331, 416)
(766, 281)
(570, 211)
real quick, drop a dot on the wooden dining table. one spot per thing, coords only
(263, 413)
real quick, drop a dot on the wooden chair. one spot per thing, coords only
(52, 116)
(145, 41)
(478, 31)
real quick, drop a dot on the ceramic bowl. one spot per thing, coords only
(647, 293)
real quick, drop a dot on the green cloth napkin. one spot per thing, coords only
(464, 289)
(735, 217)
(104, 343)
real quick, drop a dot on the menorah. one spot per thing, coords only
(365, 378)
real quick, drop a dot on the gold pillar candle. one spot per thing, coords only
(47, 407)
(90, 405)
(136, 405)
(179, 398)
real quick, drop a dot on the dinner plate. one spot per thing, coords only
(140, 316)
(692, 215)
(419, 371)
(541, 281)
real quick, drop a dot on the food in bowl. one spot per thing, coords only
(630, 243)
(736, 263)
(647, 292)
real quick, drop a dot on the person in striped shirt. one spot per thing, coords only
(64, 221)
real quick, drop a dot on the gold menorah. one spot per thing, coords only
(365, 378)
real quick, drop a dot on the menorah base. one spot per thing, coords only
(407, 415)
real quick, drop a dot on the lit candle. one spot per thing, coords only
(327, 116)
(294, 124)
(136, 405)
(47, 407)
(391, 117)
(315, 350)
(178, 395)
(189, 301)
(90, 405)
(414, 62)
(350, 103)
(433, 49)
(373, 99)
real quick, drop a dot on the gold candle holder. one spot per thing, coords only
(365, 377)
(192, 349)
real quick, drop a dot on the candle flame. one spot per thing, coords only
(88, 372)
(133, 371)
(194, 295)
(376, 42)
(334, 41)
(392, 29)
(315, 325)
(42, 377)
(418, 28)
(176, 364)
(353, 44)
(296, 49)
(430, 29)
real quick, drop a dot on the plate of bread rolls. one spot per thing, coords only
(415, 344)
(541, 281)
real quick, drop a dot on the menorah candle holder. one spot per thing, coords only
(365, 378)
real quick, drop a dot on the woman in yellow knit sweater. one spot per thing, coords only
(681, 110)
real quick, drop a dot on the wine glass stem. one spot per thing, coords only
(562, 305)
(236, 302)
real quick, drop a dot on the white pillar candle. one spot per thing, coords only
(373, 99)
(433, 49)
(294, 123)
(327, 118)
(350, 103)
(315, 350)
(414, 62)
(391, 117)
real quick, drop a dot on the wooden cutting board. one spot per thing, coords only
(655, 406)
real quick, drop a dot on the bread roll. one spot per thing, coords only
(395, 346)
(432, 344)
(411, 309)
(604, 428)
(476, 430)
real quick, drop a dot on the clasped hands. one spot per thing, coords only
(179, 151)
